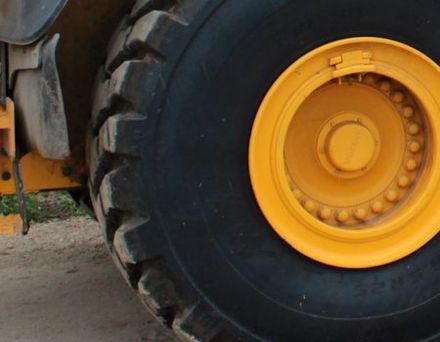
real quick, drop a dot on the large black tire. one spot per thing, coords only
(174, 107)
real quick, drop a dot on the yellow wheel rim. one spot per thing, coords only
(344, 152)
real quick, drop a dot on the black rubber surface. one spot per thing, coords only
(169, 178)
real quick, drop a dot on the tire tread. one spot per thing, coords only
(139, 47)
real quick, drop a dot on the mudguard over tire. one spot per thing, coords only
(23, 22)
(168, 155)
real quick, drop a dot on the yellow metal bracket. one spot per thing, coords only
(7, 129)
(352, 62)
(11, 224)
(38, 174)
(32, 173)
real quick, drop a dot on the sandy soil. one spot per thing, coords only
(59, 284)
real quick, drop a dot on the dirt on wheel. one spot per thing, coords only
(59, 283)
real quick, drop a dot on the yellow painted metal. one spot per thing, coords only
(351, 147)
(10, 225)
(7, 128)
(348, 143)
(38, 174)
(344, 153)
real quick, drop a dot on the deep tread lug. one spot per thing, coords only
(129, 241)
(130, 276)
(120, 191)
(100, 99)
(142, 7)
(158, 294)
(97, 162)
(117, 51)
(123, 134)
(150, 31)
(99, 213)
(197, 323)
(115, 94)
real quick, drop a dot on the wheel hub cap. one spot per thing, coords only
(347, 145)
(344, 152)
(351, 147)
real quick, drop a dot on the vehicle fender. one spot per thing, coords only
(25, 21)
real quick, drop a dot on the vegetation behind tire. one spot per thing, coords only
(174, 107)
(43, 207)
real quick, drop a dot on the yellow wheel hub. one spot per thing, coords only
(350, 147)
(343, 152)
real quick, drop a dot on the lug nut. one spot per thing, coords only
(377, 207)
(413, 129)
(408, 111)
(391, 196)
(398, 97)
(369, 79)
(297, 193)
(342, 216)
(310, 206)
(360, 214)
(385, 85)
(415, 146)
(403, 181)
(411, 165)
(325, 213)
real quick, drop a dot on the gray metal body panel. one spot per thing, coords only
(24, 21)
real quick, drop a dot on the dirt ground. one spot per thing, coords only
(59, 284)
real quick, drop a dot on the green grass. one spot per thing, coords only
(43, 207)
